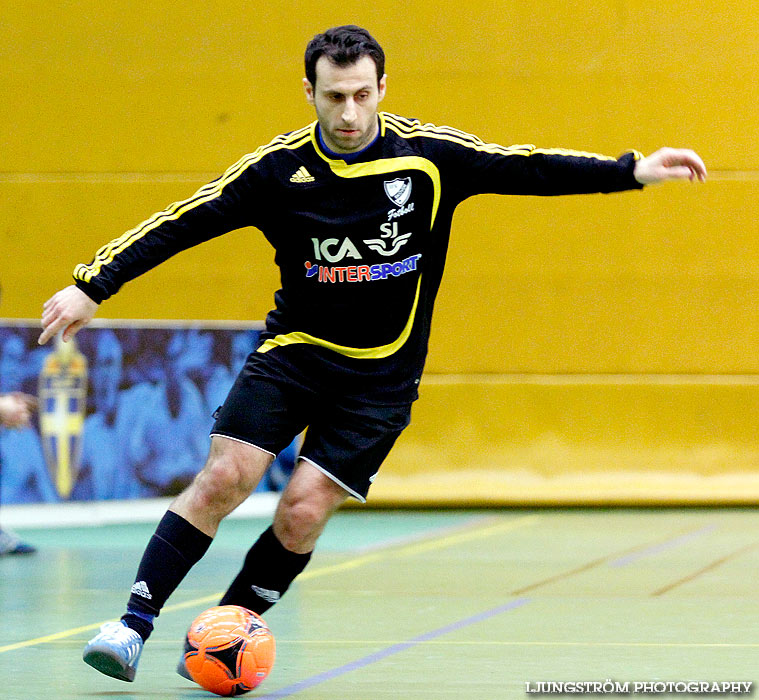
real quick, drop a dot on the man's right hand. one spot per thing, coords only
(16, 409)
(68, 310)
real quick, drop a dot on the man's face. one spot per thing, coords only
(346, 99)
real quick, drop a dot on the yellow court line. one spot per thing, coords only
(495, 642)
(50, 637)
(419, 547)
(96, 625)
(407, 550)
(511, 643)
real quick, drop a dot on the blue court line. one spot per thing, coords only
(663, 546)
(389, 651)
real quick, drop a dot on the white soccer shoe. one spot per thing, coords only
(114, 651)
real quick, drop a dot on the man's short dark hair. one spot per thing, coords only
(343, 46)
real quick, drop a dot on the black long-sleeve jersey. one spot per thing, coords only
(360, 246)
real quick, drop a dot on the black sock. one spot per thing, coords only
(173, 550)
(139, 622)
(267, 573)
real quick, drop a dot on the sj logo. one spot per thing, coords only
(332, 250)
(390, 241)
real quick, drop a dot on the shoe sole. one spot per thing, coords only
(104, 662)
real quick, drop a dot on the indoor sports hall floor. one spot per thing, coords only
(447, 604)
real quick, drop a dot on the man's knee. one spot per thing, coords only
(230, 474)
(298, 523)
(306, 505)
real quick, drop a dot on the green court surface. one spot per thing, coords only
(401, 604)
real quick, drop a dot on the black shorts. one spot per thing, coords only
(346, 439)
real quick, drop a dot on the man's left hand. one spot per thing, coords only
(670, 164)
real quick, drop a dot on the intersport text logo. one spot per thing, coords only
(361, 273)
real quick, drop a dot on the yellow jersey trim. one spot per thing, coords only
(356, 353)
(385, 167)
(411, 128)
(208, 192)
(408, 129)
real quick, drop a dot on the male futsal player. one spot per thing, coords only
(358, 206)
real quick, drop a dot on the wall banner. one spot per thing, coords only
(125, 408)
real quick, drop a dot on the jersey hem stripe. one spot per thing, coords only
(375, 353)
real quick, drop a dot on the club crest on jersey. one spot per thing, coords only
(398, 190)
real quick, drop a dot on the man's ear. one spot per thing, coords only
(382, 87)
(309, 90)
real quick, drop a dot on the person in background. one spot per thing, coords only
(15, 412)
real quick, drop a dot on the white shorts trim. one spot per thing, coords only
(353, 493)
(244, 442)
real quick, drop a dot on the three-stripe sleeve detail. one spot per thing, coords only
(409, 128)
(207, 193)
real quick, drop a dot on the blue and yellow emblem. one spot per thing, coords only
(62, 406)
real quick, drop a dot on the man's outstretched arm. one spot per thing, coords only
(480, 168)
(216, 208)
(670, 164)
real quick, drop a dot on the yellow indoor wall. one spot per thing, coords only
(113, 110)
(579, 440)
